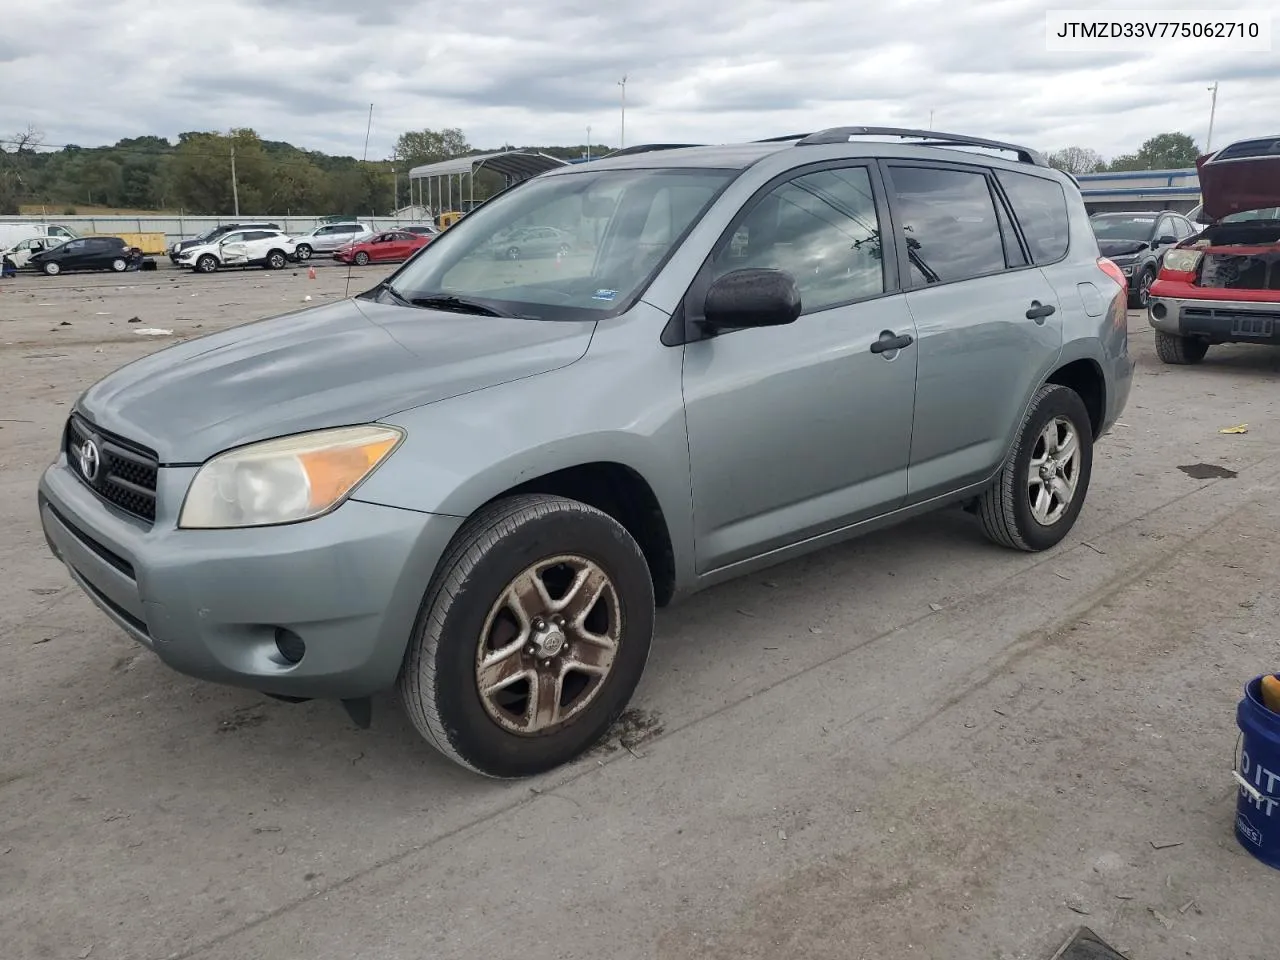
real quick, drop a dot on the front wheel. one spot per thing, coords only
(1036, 498)
(303, 251)
(51, 269)
(207, 264)
(1171, 348)
(362, 259)
(1142, 295)
(532, 636)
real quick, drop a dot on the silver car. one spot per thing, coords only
(328, 237)
(475, 481)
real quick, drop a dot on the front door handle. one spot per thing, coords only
(891, 341)
(1038, 311)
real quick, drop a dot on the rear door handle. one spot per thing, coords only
(1038, 311)
(889, 341)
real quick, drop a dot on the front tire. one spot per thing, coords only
(531, 638)
(303, 251)
(1171, 348)
(51, 269)
(207, 264)
(1142, 292)
(1036, 498)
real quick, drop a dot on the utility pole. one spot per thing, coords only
(622, 137)
(930, 119)
(235, 189)
(588, 143)
(395, 180)
(1213, 108)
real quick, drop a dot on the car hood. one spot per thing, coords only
(349, 362)
(1119, 248)
(1236, 186)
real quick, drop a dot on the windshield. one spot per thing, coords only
(1123, 228)
(564, 247)
(1244, 216)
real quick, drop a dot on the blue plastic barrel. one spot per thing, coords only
(1258, 807)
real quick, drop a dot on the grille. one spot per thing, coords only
(121, 473)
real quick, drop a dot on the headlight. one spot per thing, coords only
(285, 480)
(1182, 261)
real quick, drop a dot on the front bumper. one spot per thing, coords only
(1217, 321)
(213, 604)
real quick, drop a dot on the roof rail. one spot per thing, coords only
(790, 136)
(647, 147)
(932, 137)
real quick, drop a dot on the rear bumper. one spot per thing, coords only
(1217, 321)
(213, 603)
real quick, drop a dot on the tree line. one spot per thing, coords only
(1165, 151)
(194, 175)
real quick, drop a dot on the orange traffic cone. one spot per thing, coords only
(311, 273)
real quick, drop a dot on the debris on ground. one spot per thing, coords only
(1165, 844)
(1238, 428)
(153, 332)
(1163, 920)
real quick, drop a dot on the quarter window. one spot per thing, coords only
(822, 228)
(949, 224)
(1041, 208)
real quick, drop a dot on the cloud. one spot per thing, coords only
(541, 72)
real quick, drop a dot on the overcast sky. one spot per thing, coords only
(540, 71)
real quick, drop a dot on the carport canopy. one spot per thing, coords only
(435, 180)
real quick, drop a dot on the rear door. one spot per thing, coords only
(100, 252)
(987, 319)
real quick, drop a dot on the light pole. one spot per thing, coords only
(395, 181)
(622, 137)
(1213, 108)
(588, 143)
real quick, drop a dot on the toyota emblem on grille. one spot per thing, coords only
(89, 460)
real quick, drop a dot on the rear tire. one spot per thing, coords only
(1027, 508)
(1171, 348)
(362, 259)
(276, 260)
(119, 265)
(467, 602)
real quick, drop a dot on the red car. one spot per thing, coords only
(1223, 284)
(390, 247)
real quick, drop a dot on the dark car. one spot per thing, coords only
(87, 253)
(1135, 242)
(211, 235)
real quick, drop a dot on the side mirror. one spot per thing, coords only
(1165, 240)
(752, 297)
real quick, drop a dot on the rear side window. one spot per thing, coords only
(949, 224)
(1041, 208)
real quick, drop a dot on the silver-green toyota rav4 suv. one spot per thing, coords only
(476, 480)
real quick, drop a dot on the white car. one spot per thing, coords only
(21, 252)
(241, 248)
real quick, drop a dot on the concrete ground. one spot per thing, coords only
(915, 745)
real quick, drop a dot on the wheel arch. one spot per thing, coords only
(1084, 375)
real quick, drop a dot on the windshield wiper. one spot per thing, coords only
(458, 305)
(386, 287)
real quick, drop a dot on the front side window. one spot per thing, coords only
(565, 246)
(822, 228)
(949, 224)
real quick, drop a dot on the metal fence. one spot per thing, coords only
(184, 228)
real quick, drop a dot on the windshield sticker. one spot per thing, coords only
(1144, 219)
(604, 294)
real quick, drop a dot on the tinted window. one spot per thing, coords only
(949, 224)
(822, 228)
(1041, 208)
(72, 246)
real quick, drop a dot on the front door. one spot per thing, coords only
(801, 429)
(988, 321)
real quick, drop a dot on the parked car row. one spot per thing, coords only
(52, 256)
(266, 245)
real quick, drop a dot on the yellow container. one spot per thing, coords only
(151, 244)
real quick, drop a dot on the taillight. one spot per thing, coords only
(1114, 272)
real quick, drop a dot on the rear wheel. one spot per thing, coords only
(119, 265)
(1035, 500)
(276, 260)
(532, 636)
(362, 259)
(1171, 348)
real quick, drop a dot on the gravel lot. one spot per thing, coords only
(915, 745)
